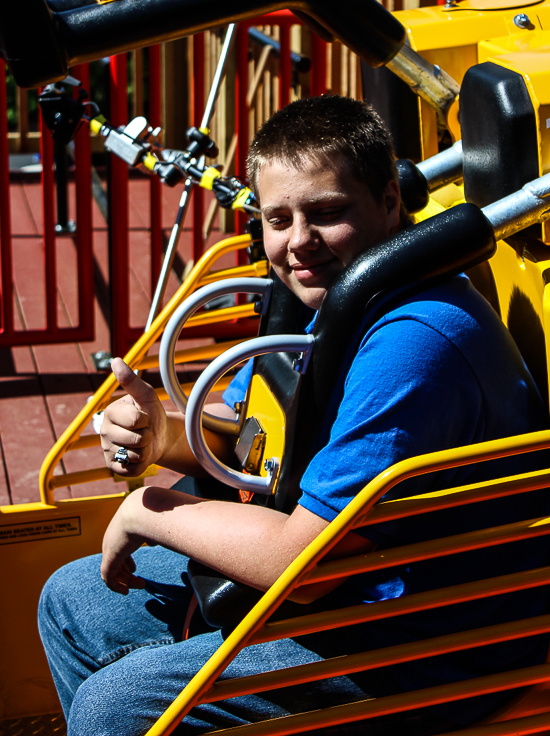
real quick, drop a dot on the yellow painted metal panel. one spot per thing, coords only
(34, 542)
(439, 28)
(262, 405)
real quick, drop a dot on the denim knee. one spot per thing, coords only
(53, 593)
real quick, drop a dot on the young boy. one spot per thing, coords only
(428, 375)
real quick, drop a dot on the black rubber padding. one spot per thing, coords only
(30, 43)
(41, 42)
(413, 185)
(499, 133)
(433, 250)
(397, 105)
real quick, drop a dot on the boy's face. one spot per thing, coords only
(317, 220)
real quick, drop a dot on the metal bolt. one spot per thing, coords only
(297, 365)
(269, 465)
(102, 360)
(522, 21)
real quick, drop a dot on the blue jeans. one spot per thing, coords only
(118, 662)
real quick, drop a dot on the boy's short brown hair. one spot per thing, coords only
(325, 127)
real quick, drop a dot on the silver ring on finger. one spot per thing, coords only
(121, 456)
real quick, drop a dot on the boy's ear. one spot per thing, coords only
(392, 203)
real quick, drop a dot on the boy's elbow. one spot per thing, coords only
(307, 594)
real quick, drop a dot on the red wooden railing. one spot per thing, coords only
(123, 335)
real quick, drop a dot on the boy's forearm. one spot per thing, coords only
(177, 454)
(237, 540)
(250, 544)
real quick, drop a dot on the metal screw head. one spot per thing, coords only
(522, 21)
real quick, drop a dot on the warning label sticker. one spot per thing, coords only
(15, 533)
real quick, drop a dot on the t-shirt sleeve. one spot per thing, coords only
(409, 391)
(236, 391)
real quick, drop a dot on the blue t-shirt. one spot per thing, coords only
(438, 371)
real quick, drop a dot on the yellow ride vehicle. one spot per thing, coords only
(467, 98)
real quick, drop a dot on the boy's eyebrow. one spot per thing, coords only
(325, 197)
(270, 209)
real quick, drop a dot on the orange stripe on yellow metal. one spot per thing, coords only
(430, 599)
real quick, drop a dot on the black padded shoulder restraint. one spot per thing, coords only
(410, 262)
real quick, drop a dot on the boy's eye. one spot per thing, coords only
(330, 213)
(278, 222)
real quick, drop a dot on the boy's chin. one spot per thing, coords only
(312, 297)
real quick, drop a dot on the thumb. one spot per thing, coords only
(142, 393)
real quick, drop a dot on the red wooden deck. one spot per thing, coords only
(43, 388)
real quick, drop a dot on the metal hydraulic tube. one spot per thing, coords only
(531, 204)
(430, 83)
(443, 168)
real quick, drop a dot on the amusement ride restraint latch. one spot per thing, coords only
(251, 445)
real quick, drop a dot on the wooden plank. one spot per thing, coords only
(26, 437)
(139, 275)
(29, 281)
(7, 374)
(138, 210)
(23, 222)
(33, 195)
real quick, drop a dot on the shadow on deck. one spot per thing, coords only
(42, 388)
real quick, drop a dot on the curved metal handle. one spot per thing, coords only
(174, 327)
(193, 425)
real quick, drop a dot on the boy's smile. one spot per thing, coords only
(317, 219)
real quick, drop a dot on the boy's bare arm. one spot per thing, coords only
(139, 423)
(251, 544)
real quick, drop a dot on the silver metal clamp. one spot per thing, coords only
(194, 427)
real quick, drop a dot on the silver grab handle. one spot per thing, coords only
(174, 327)
(194, 426)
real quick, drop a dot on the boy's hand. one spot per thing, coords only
(136, 422)
(117, 565)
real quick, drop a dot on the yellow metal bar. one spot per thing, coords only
(413, 603)
(453, 497)
(133, 358)
(221, 315)
(345, 665)
(191, 355)
(513, 727)
(82, 443)
(19, 508)
(94, 440)
(340, 714)
(253, 270)
(336, 530)
(379, 560)
(81, 476)
(220, 385)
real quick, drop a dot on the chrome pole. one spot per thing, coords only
(427, 80)
(172, 246)
(528, 206)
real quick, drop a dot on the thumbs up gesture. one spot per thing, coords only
(136, 422)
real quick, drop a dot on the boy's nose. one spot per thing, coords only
(302, 237)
